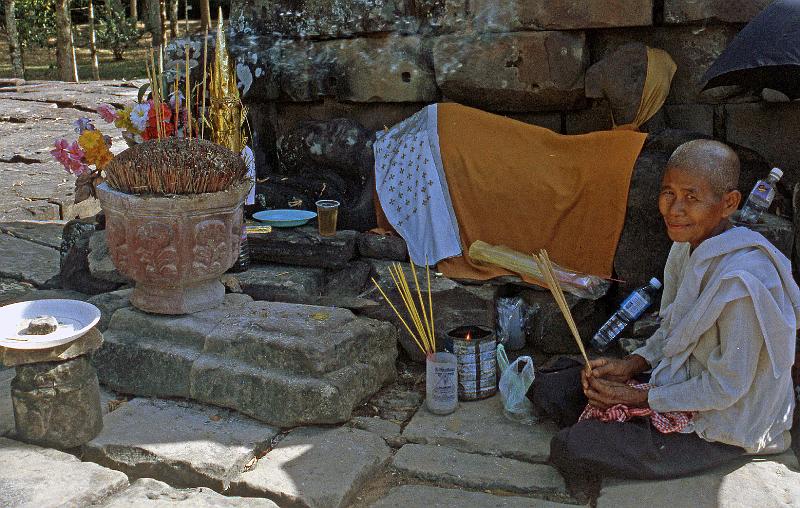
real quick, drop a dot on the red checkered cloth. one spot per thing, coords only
(666, 423)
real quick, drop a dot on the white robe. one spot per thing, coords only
(726, 345)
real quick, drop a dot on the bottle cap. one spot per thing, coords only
(777, 172)
(655, 283)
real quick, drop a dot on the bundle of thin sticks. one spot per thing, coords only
(546, 267)
(421, 318)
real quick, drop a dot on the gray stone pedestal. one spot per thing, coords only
(55, 393)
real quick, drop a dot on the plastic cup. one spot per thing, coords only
(441, 383)
(327, 212)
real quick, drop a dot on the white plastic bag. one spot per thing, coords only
(515, 379)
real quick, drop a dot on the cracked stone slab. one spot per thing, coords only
(423, 496)
(36, 477)
(27, 261)
(315, 467)
(282, 283)
(185, 444)
(481, 427)
(47, 233)
(766, 481)
(150, 493)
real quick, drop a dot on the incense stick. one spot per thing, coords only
(188, 98)
(546, 267)
(205, 71)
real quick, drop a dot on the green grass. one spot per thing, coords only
(40, 63)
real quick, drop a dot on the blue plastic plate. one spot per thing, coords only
(284, 218)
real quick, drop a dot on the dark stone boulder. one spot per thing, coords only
(303, 247)
(75, 273)
(388, 247)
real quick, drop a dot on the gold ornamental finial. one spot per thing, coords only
(226, 113)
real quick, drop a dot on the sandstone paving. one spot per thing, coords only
(181, 443)
(481, 427)
(28, 261)
(36, 477)
(424, 496)
(484, 472)
(150, 493)
(46, 233)
(315, 467)
(766, 482)
(388, 430)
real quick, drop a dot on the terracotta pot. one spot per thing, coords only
(176, 247)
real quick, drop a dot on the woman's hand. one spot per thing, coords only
(604, 394)
(612, 369)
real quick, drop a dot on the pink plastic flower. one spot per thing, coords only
(70, 156)
(107, 112)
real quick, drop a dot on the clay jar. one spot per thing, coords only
(175, 248)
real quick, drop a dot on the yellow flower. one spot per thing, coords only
(123, 121)
(95, 149)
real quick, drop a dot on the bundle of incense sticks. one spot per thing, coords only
(421, 318)
(546, 268)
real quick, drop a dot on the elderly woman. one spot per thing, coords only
(720, 384)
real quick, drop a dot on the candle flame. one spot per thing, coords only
(469, 336)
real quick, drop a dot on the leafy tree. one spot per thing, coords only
(36, 22)
(115, 31)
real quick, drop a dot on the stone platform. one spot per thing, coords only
(284, 364)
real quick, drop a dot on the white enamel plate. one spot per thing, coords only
(74, 317)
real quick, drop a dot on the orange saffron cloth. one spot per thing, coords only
(529, 188)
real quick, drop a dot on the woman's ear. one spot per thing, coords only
(731, 200)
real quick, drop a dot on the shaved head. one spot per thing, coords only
(715, 162)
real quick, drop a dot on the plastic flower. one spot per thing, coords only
(168, 128)
(95, 148)
(138, 116)
(107, 112)
(83, 124)
(123, 121)
(70, 156)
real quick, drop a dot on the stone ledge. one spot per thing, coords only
(303, 247)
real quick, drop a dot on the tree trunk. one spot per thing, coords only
(93, 43)
(163, 7)
(152, 21)
(64, 49)
(205, 15)
(134, 10)
(173, 18)
(14, 49)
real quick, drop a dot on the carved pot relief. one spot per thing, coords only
(174, 248)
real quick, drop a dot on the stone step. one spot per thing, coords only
(315, 468)
(423, 496)
(303, 246)
(481, 427)
(442, 464)
(182, 443)
(767, 482)
(147, 492)
(34, 477)
(285, 364)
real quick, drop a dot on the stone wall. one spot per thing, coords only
(378, 61)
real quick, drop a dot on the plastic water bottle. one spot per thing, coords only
(760, 198)
(630, 310)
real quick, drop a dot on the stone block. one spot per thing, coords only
(349, 281)
(537, 71)
(550, 121)
(763, 481)
(147, 492)
(440, 464)
(319, 18)
(424, 495)
(315, 467)
(57, 404)
(285, 364)
(597, 117)
(85, 344)
(389, 247)
(520, 15)
(100, 264)
(690, 117)
(481, 427)
(6, 407)
(28, 261)
(282, 283)
(726, 11)
(76, 272)
(12, 288)
(184, 444)
(34, 477)
(47, 233)
(109, 303)
(693, 49)
(304, 247)
(454, 304)
(771, 129)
